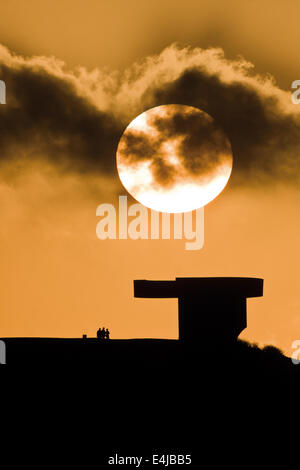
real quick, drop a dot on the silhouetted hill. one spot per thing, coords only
(149, 396)
(239, 359)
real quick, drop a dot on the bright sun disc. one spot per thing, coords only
(174, 158)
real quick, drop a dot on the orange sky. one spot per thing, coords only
(56, 277)
(116, 33)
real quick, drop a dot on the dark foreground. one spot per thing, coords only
(235, 363)
(148, 397)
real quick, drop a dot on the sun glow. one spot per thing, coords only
(183, 197)
(169, 180)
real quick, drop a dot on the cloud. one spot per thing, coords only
(180, 143)
(259, 119)
(47, 118)
(74, 119)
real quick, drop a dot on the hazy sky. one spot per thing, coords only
(59, 132)
(116, 33)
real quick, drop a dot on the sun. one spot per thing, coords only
(174, 158)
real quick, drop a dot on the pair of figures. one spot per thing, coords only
(103, 333)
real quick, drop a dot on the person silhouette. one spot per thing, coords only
(103, 333)
(99, 333)
(106, 333)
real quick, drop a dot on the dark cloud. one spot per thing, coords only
(265, 140)
(46, 118)
(201, 145)
(138, 146)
